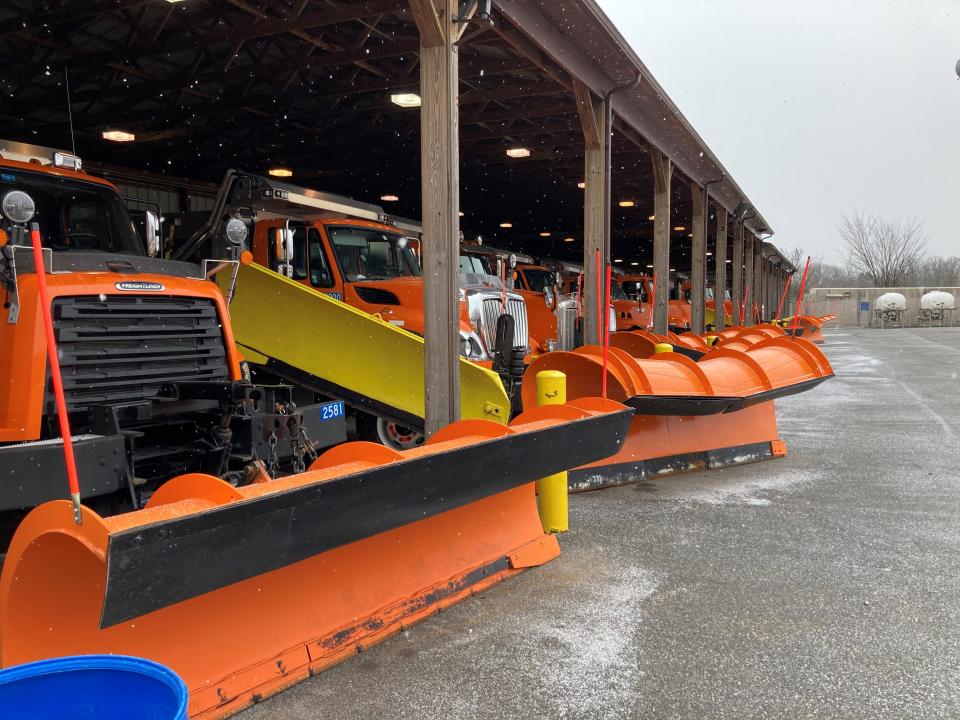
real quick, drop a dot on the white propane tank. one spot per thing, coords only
(890, 301)
(937, 300)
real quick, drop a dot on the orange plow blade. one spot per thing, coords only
(695, 409)
(244, 591)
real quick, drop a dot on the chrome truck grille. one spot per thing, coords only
(490, 312)
(567, 311)
(116, 349)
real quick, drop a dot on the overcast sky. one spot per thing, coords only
(817, 107)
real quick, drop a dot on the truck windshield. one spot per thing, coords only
(635, 290)
(76, 215)
(616, 292)
(370, 254)
(538, 280)
(474, 265)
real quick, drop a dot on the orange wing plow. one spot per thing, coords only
(243, 591)
(696, 408)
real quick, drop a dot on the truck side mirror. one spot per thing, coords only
(151, 225)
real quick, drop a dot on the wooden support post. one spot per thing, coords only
(698, 259)
(720, 269)
(758, 279)
(748, 284)
(662, 174)
(736, 285)
(440, 192)
(595, 210)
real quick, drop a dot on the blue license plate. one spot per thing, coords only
(332, 410)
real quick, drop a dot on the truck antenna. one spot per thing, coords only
(73, 141)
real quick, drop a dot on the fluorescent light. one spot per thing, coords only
(118, 136)
(568, 239)
(280, 172)
(626, 203)
(518, 152)
(709, 254)
(634, 263)
(729, 261)
(618, 260)
(405, 100)
(544, 234)
(673, 269)
(506, 225)
(581, 185)
(680, 228)
(460, 213)
(389, 198)
(652, 218)
(649, 266)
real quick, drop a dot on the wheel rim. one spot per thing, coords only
(398, 436)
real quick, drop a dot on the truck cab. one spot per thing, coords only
(152, 379)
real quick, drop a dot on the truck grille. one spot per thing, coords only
(491, 312)
(116, 349)
(567, 312)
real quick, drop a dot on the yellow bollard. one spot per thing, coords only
(662, 348)
(552, 490)
(712, 340)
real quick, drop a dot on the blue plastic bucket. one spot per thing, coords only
(92, 687)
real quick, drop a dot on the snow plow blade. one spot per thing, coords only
(384, 374)
(691, 414)
(244, 591)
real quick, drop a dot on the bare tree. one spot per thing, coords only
(888, 252)
(939, 271)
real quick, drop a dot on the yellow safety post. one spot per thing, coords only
(662, 348)
(552, 490)
(711, 340)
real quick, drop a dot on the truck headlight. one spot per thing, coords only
(470, 347)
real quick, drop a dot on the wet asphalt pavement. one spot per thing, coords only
(825, 584)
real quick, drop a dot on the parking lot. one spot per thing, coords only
(821, 585)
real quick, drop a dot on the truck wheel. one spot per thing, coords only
(387, 432)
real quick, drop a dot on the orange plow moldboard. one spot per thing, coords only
(244, 591)
(696, 408)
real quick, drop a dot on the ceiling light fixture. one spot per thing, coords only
(634, 263)
(506, 225)
(568, 239)
(405, 100)
(389, 198)
(626, 203)
(652, 218)
(518, 152)
(280, 172)
(118, 136)
(680, 228)
(544, 234)
(581, 185)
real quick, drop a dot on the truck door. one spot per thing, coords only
(323, 275)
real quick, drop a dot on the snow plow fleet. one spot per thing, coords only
(209, 389)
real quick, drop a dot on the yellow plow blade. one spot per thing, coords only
(314, 340)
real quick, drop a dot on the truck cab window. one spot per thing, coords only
(299, 253)
(76, 215)
(319, 269)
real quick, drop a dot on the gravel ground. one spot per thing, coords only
(821, 585)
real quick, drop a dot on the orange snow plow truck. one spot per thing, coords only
(213, 536)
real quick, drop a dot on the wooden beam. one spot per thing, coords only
(662, 174)
(595, 211)
(748, 280)
(587, 110)
(720, 268)
(758, 278)
(736, 286)
(698, 259)
(440, 193)
(428, 22)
